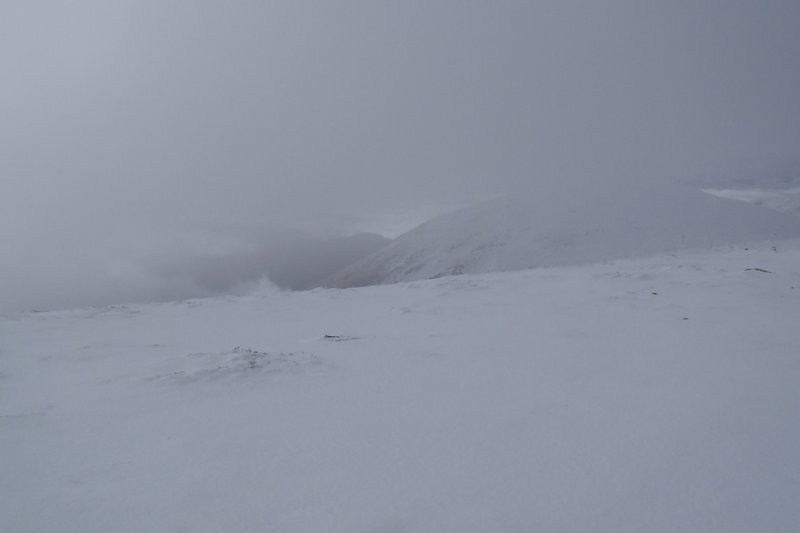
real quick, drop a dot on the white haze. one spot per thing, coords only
(140, 135)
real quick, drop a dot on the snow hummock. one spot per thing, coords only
(566, 224)
(654, 395)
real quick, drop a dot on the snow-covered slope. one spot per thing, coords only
(783, 200)
(565, 225)
(656, 395)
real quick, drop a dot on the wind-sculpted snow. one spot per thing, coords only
(237, 363)
(654, 395)
(566, 225)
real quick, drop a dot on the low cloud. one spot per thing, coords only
(146, 146)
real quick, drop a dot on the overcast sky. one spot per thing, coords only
(135, 128)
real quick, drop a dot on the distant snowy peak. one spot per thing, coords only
(565, 226)
(783, 200)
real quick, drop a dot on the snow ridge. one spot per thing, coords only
(565, 226)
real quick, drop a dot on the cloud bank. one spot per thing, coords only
(132, 131)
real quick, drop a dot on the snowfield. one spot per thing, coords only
(785, 200)
(569, 223)
(648, 395)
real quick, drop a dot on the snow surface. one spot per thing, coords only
(649, 395)
(567, 224)
(786, 200)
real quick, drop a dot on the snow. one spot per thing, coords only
(786, 200)
(567, 224)
(653, 395)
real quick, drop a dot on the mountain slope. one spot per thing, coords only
(783, 200)
(656, 395)
(563, 226)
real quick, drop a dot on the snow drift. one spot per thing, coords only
(565, 225)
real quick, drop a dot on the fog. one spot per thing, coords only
(152, 150)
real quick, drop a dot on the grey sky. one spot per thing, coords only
(132, 127)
